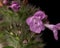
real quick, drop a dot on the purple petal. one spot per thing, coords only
(55, 32)
(14, 2)
(54, 29)
(34, 29)
(14, 6)
(37, 28)
(29, 20)
(50, 26)
(40, 14)
(58, 26)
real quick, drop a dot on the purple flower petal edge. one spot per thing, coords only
(28, 20)
(40, 14)
(58, 26)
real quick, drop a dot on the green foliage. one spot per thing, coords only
(8, 47)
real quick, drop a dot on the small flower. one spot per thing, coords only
(14, 6)
(40, 14)
(54, 29)
(5, 2)
(35, 24)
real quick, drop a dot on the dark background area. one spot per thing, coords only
(51, 8)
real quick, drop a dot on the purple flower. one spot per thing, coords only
(54, 28)
(40, 14)
(35, 24)
(14, 2)
(5, 2)
(14, 6)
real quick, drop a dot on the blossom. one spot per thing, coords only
(5, 2)
(35, 24)
(14, 6)
(40, 14)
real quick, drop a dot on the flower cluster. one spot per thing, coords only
(37, 25)
(14, 5)
(35, 22)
